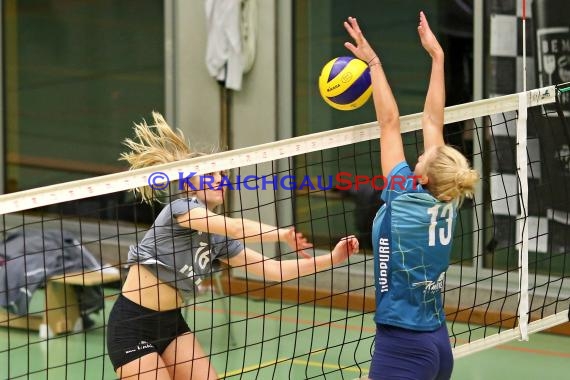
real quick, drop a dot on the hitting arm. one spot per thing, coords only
(391, 145)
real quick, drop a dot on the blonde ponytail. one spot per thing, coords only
(153, 145)
(450, 176)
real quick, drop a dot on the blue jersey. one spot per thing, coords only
(411, 238)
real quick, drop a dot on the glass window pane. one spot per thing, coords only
(78, 73)
(390, 26)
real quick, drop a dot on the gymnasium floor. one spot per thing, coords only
(544, 357)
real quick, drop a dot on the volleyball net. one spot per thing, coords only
(65, 247)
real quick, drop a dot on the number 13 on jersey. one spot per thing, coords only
(443, 233)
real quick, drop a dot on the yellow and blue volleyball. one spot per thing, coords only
(345, 83)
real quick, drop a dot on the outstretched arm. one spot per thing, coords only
(284, 270)
(391, 146)
(432, 118)
(201, 219)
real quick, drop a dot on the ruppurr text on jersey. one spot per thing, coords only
(383, 258)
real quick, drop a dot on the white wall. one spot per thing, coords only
(196, 96)
(257, 111)
(254, 113)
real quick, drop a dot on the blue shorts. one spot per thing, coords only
(411, 355)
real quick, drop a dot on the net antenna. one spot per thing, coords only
(522, 169)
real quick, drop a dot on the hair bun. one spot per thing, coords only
(450, 176)
(465, 180)
(460, 177)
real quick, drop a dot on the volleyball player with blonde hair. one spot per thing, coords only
(147, 337)
(412, 231)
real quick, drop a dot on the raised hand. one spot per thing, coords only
(297, 242)
(362, 50)
(428, 39)
(346, 247)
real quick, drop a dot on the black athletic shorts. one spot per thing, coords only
(134, 331)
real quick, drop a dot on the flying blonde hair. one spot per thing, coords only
(153, 145)
(450, 176)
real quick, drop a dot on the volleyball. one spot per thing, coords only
(345, 83)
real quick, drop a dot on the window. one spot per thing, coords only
(390, 28)
(77, 74)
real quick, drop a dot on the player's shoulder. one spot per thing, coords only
(401, 168)
(182, 205)
(186, 202)
(419, 203)
(419, 197)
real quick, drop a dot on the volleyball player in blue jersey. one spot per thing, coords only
(412, 231)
